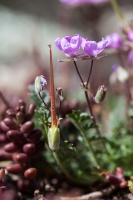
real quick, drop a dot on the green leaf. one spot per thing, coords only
(82, 121)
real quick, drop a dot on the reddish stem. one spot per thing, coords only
(52, 92)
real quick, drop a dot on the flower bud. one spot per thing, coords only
(11, 147)
(10, 123)
(30, 173)
(59, 92)
(11, 112)
(15, 169)
(34, 136)
(27, 127)
(29, 148)
(20, 117)
(14, 135)
(4, 127)
(54, 138)
(40, 82)
(100, 95)
(21, 157)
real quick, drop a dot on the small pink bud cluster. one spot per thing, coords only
(117, 179)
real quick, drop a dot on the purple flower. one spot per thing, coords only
(92, 48)
(40, 82)
(73, 2)
(69, 45)
(130, 57)
(96, 1)
(130, 35)
(81, 2)
(114, 40)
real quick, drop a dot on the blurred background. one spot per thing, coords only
(26, 29)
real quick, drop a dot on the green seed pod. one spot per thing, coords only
(100, 95)
(54, 138)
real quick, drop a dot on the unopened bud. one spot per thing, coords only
(100, 95)
(2, 173)
(59, 92)
(40, 82)
(83, 85)
(54, 138)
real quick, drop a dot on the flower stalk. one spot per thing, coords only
(117, 10)
(86, 93)
(46, 106)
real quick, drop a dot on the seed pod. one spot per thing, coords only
(22, 109)
(14, 135)
(21, 103)
(20, 117)
(21, 158)
(3, 138)
(4, 127)
(100, 95)
(27, 127)
(29, 148)
(30, 173)
(15, 169)
(10, 123)
(54, 138)
(34, 136)
(4, 155)
(11, 112)
(11, 147)
(30, 111)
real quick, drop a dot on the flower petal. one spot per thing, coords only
(58, 43)
(90, 47)
(75, 43)
(67, 49)
(102, 44)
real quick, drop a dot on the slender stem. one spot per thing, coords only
(56, 156)
(86, 95)
(91, 112)
(79, 73)
(65, 171)
(117, 10)
(89, 73)
(44, 102)
(60, 109)
(91, 149)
